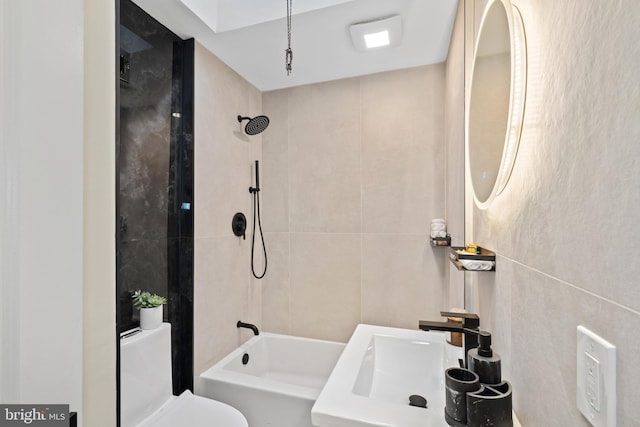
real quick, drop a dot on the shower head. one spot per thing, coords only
(256, 125)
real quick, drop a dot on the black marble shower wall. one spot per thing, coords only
(155, 178)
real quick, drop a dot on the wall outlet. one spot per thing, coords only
(596, 371)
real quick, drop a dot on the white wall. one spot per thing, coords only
(565, 226)
(45, 340)
(42, 178)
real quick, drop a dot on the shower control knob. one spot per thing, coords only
(239, 225)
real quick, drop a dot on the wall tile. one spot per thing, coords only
(495, 307)
(275, 186)
(225, 291)
(402, 150)
(571, 188)
(372, 142)
(570, 191)
(544, 349)
(325, 285)
(276, 285)
(220, 298)
(224, 159)
(454, 133)
(324, 150)
(402, 280)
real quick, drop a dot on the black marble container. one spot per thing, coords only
(491, 406)
(458, 382)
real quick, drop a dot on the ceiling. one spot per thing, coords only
(251, 35)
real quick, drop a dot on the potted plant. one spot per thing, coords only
(150, 306)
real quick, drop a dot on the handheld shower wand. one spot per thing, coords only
(256, 214)
(257, 187)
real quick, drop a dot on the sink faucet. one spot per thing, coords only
(470, 327)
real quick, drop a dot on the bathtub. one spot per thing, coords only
(279, 383)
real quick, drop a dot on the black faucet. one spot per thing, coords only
(254, 328)
(470, 327)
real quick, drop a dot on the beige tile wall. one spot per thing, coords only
(324, 157)
(98, 245)
(565, 226)
(354, 171)
(455, 155)
(225, 291)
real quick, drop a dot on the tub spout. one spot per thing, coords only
(254, 328)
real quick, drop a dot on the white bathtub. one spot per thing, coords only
(279, 384)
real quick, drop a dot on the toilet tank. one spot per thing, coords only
(145, 374)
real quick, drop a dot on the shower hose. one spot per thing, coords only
(256, 214)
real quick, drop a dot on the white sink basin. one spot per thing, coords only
(378, 371)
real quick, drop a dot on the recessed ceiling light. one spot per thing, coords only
(377, 39)
(377, 33)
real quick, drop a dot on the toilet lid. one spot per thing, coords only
(195, 411)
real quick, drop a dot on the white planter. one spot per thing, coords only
(150, 318)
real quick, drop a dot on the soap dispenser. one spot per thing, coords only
(484, 361)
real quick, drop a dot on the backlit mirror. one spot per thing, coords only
(496, 101)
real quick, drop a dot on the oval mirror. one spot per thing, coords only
(496, 101)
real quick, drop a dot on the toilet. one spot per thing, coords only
(146, 398)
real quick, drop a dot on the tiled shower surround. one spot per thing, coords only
(354, 171)
(224, 290)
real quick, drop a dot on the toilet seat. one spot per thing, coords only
(189, 410)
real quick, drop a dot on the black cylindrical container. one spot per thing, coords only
(484, 361)
(490, 406)
(458, 382)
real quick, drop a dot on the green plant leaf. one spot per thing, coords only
(144, 299)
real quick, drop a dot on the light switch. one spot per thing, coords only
(592, 381)
(596, 382)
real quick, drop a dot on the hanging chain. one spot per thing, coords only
(288, 51)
